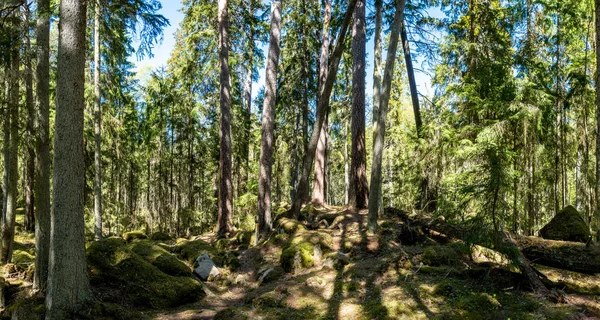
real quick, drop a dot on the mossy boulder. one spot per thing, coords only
(128, 278)
(297, 256)
(160, 258)
(22, 259)
(28, 307)
(315, 237)
(161, 236)
(244, 238)
(290, 226)
(133, 235)
(567, 225)
(444, 255)
(189, 250)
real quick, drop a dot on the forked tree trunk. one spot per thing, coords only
(68, 285)
(359, 187)
(376, 171)
(268, 123)
(319, 191)
(322, 107)
(42, 146)
(225, 202)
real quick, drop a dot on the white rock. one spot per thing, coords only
(205, 268)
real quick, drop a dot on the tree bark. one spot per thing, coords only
(29, 223)
(375, 192)
(11, 153)
(265, 224)
(319, 191)
(248, 103)
(225, 201)
(414, 94)
(68, 285)
(359, 187)
(377, 63)
(597, 84)
(322, 107)
(97, 128)
(42, 146)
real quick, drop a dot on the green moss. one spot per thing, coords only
(305, 250)
(118, 267)
(448, 255)
(477, 302)
(244, 238)
(290, 226)
(314, 237)
(230, 314)
(567, 225)
(161, 236)
(133, 235)
(225, 243)
(27, 306)
(22, 258)
(160, 258)
(190, 250)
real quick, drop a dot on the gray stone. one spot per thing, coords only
(205, 268)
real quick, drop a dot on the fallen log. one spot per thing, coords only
(566, 255)
(573, 256)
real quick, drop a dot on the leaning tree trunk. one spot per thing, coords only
(359, 187)
(376, 169)
(97, 129)
(225, 204)
(319, 190)
(42, 146)
(11, 162)
(322, 107)
(268, 117)
(68, 285)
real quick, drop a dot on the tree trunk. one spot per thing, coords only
(319, 193)
(97, 128)
(414, 94)
(224, 218)
(322, 107)
(248, 102)
(42, 146)
(377, 63)
(375, 193)
(597, 84)
(12, 152)
(268, 122)
(359, 187)
(68, 285)
(29, 223)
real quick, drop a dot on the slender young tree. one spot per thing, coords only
(97, 127)
(359, 187)
(319, 191)
(224, 218)
(322, 107)
(377, 61)
(266, 145)
(376, 168)
(68, 285)
(42, 146)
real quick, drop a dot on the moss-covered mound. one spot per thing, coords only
(122, 275)
(133, 235)
(445, 255)
(22, 259)
(160, 236)
(299, 252)
(160, 258)
(190, 250)
(567, 225)
(290, 225)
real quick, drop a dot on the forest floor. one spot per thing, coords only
(337, 271)
(384, 279)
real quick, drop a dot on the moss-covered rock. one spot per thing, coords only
(314, 237)
(190, 250)
(244, 238)
(270, 299)
(133, 235)
(28, 307)
(22, 259)
(161, 236)
(160, 258)
(567, 225)
(115, 266)
(290, 226)
(297, 256)
(230, 314)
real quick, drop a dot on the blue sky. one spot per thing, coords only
(161, 53)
